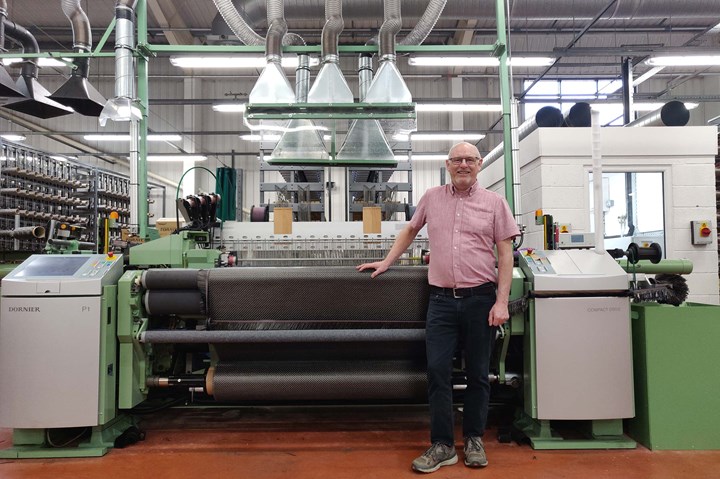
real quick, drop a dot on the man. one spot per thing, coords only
(465, 222)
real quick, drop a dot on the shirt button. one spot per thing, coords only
(456, 247)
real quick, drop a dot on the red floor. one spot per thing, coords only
(336, 443)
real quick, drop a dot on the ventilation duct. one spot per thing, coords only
(121, 107)
(302, 141)
(365, 139)
(426, 23)
(77, 92)
(579, 115)
(672, 113)
(330, 85)
(546, 117)
(7, 84)
(36, 101)
(558, 10)
(273, 86)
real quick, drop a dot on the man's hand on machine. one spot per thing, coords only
(378, 266)
(498, 314)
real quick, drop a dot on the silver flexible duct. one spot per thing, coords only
(390, 28)
(82, 38)
(426, 23)
(237, 24)
(334, 25)
(277, 28)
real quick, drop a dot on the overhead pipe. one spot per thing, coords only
(363, 10)
(546, 117)
(122, 107)
(77, 92)
(330, 85)
(7, 84)
(36, 101)
(578, 116)
(672, 113)
(426, 23)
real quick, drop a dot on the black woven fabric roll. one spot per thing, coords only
(170, 279)
(175, 301)
(274, 337)
(310, 297)
(327, 380)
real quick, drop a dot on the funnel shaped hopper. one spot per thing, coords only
(36, 102)
(365, 144)
(330, 86)
(272, 86)
(301, 144)
(7, 85)
(80, 95)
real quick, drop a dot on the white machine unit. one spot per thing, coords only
(50, 328)
(583, 344)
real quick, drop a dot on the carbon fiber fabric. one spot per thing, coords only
(306, 298)
(307, 380)
(170, 279)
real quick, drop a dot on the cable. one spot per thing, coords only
(177, 194)
(68, 442)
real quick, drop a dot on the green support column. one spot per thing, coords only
(142, 71)
(505, 100)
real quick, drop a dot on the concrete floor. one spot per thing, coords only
(336, 443)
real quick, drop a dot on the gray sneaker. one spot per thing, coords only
(475, 452)
(436, 456)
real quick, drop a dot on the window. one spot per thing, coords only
(563, 94)
(632, 209)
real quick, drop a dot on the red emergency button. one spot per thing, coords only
(705, 232)
(110, 254)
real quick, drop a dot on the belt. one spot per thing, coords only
(482, 290)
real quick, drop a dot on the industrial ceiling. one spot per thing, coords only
(589, 38)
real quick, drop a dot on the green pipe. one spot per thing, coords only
(143, 89)
(203, 49)
(668, 266)
(506, 103)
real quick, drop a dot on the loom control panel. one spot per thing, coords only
(537, 261)
(572, 270)
(63, 275)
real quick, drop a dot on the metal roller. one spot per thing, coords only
(283, 336)
(326, 380)
(160, 302)
(24, 232)
(170, 279)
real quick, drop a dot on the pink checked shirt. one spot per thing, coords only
(463, 228)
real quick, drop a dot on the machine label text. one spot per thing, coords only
(24, 309)
(606, 309)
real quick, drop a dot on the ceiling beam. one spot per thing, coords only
(168, 18)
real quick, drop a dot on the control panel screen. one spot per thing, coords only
(52, 266)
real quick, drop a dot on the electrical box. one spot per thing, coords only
(701, 231)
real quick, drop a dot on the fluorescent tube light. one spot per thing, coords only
(453, 107)
(63, 158)
(684, 61)
(439, 136)
(229, 107)
(423, 157)
(176, 158)
(215, 62)
(122, 137)
(12, 137)
(251, 137)
(42, 62)
(452, 61)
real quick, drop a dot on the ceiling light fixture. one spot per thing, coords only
(439, 136)
(158, 158)
(215, 62)
(12, 137)
(684, 61)
(453, 61)
(454, 107)
(229, 107)
(42, 62)
(122, 137)
(423, 157)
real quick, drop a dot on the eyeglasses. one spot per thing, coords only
(469, 160)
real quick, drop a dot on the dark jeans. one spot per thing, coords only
(449, 321)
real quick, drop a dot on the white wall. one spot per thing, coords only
(554, 169)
